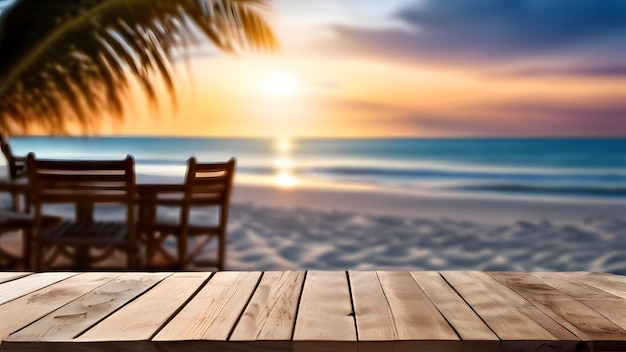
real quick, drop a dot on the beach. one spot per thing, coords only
(396, 204)
(275, 229)
(307, 229)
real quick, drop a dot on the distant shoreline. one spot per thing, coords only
(473, 167)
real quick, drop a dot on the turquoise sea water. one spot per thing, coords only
(514, 167)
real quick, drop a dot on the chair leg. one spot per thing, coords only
(15, 198)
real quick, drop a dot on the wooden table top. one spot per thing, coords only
(313, 311)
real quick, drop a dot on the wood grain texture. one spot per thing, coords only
(613, 284)
(271, 313)
(578, 318)
(213, 312)
(70, 320)
(325, 317)
(374, 319)
(13, 289)
(20, 312)
(8, 276)
(414, 315)
(142, 318)
(519, 324)
(313, 311)
(580, 290)
(474, 333)
(608, 305)
(418, 322)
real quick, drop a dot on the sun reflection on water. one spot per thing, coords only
(283, 145)
(283, 164)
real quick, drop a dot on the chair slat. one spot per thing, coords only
(83, 178)
(81, 165)
(84, 183)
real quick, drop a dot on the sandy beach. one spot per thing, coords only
(314, 229)
(280, 229)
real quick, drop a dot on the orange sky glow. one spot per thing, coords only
(313, 89)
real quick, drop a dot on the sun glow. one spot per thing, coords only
(280, 84)
(284, 164)
(286, 180)
(283, 145)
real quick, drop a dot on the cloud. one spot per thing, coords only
(580, 71)
(347, 104)
(606, 115)
(592, 116)
(516, 118)
(492, 31)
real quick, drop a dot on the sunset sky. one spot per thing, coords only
(434, 68)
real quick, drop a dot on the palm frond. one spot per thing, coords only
(64, 62)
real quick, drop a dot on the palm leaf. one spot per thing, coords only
(70, 60)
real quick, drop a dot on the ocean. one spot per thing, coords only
(512, 167)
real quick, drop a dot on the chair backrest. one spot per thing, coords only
(209, 184)
(16, 165)
(71, 181)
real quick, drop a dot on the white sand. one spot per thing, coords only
(274, 229)
(314, 229)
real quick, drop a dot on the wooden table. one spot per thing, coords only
(148, 196)
(313, 311)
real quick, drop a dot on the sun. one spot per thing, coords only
(283, 145)
(279, 83)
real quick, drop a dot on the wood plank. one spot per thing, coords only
(9, 276)
(20, 312)
(325, 319)
(212, 313)
(374, 319)
(610, 306)
(586, 323)
(519, 324)
(474, 333)
(613, 284)
(143, 317)
(419, 324)
(393, 311)
(17, 288)
(72, 319)
(579, 289)
(271, 313)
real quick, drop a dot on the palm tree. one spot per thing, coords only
(64, 62)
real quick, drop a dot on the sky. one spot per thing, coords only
(408, 68)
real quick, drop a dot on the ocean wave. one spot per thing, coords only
(555, 190)
(549, 175)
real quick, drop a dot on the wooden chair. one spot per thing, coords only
(207, 185)
(84, 184)
(16, 166)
